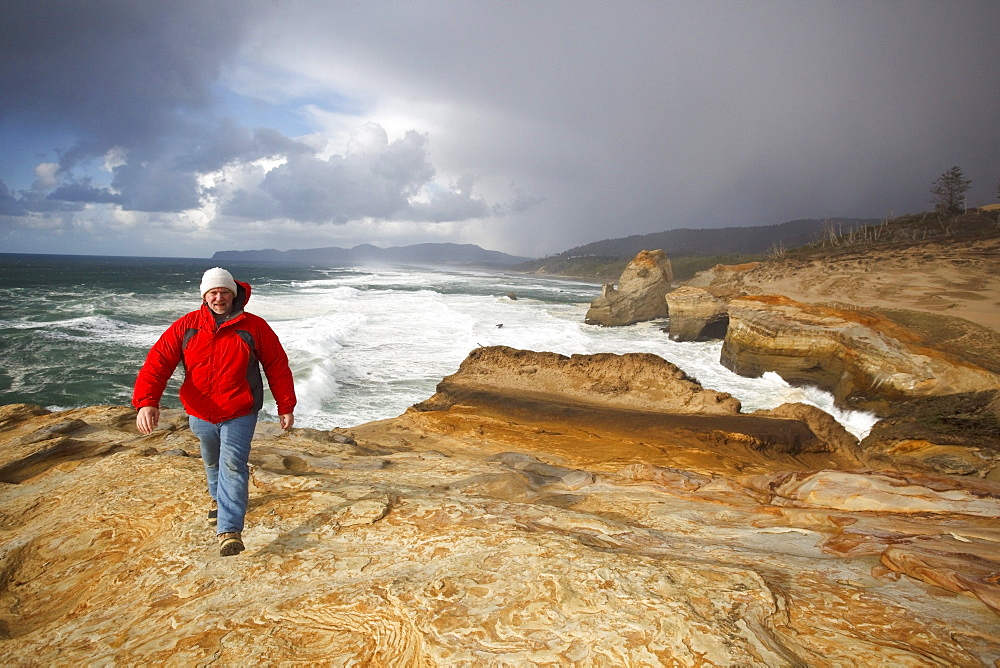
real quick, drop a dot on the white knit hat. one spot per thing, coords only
(217, 277)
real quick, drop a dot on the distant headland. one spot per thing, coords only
(428, 253)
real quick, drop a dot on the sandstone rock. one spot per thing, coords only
(832, 436)
(640, 294)
(571, 479)
(882, 492)
(865, 360)
(13, 414)
(665, 476)
(634, 395)
(730, 277)
(473, 542)
(950, 565)
(934, 317)
(639, 381)
(957, 434)
(698, 313)
(956, 278)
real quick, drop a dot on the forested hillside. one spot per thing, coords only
(691, 250)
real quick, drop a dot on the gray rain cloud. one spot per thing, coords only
(528, 128)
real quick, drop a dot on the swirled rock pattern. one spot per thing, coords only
(476, 532)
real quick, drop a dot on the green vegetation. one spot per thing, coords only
(949, 191)
(909, 229)
(833, 237)
(589, 266)
(691, 251)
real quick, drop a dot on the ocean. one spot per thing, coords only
(364, 342)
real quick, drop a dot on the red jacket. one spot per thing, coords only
(222, 377)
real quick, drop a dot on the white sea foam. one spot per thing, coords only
(366, 345)
(88, 329)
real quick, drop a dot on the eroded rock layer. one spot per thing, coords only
(697, 313)
(474, 531)
(637, 381)
(956, 278)
(640, 294)
(864, 359)
(957, 434)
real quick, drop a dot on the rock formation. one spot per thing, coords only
(957, 434)
(864, 359)
(954, 278)
(640, 295)
(909, 331)
(633, 381)
(698, 313)
(610, 528)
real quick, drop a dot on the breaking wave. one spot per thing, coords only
(364, 343)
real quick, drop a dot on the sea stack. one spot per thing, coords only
(641, 292)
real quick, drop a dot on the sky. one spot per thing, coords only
(183, 127)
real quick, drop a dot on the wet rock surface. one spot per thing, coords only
(957, 434)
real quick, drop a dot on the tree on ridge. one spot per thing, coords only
(949, 191)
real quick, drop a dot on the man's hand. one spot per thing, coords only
(147, 419)
(286, 421)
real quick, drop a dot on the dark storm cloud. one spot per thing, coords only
(458, 203)
(137, 78)
(164, 176)
(209, 147)
(156, 186)
(28, 202)
(642, 116)
(9, 205)
(578, 120)
(118, 72)
(83, 191)
(133, 76)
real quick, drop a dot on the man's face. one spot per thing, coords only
(220, 300)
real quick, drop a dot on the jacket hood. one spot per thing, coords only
(242, 295)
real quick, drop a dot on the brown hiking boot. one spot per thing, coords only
(213, 512)
(230, 544)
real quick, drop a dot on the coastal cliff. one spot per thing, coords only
(909, 330)
(537, 510)
(865, 359)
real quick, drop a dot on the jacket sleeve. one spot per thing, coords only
(275, 362)
(160, 363)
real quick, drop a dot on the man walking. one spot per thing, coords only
(223, 348)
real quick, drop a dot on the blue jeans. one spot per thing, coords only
(225, 451)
